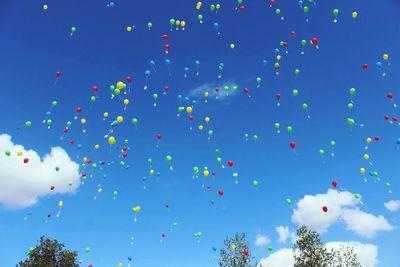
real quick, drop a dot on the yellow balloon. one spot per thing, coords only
(217, 6)
(83, 121)
(385, 56)
(183, 23)
(19, 153)
(60, 203)
(189, 109)
(206, 173)
(233, 246)
(206, 94)
(200, 127)
(111, 140)
(137, 209)
(151, 172)
(207, 119)
(129, 29)
(232, 45)
(366, 156)
(120, 85)
(120, 264)
(45, 7)
(369, 140)
(100, 190)
(178, 22)
(120, 119)
(278, 57)
(105, 115)
(362, 170)
(126, 102)
(354, 14)
(84, 159)
(96, 146)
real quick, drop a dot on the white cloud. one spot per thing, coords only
(283, 233)
(21, 185)
(393, 205)
(367, 255)
(342, 206)
(261, 241)
(199, 91)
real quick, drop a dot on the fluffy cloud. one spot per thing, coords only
(261, 241)
(199, 91)
(21, 185)
(367, 255)
(393, 205)
(342, 206)
(283, 233)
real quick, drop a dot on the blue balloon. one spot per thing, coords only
(147, 73)
(276, 51)
(264, 62)
(57, 168)
(215, 24)
(167, 61)
(79, 146)
(212, 201)
(371, 173)
(129, 258)
(398, 141)
(48, 113)
(186, 69)
(152, 63)
(114, 124)
(379, 64)
(197, 63)
(214, 249)
(144, 178)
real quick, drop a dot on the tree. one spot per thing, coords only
(236, 252)
(50, 253)
(309, 251)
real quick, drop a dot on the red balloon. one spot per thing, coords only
(191, 118)
(278, 96)
(78, 109)
(376, 138)
(213, 173)
(389, 95)
(164, 37)
(246, 90)
(246, 253)
(285, 44)
(230, 163)
(89, 161)
(83, 174)
(163, 235)
(52, 187)
(314, 41)
(71, 142)
(292, 33)
(167, 47)
(124, 148)
(95, 88)
(325, 209)
(159, 136)
(241, 8)
(394, 118)
(293, 144)
(128, 79)
(167, 205)
(166, 88)
(124, 155)
(220, 192)
(26, 160)
(334, 183)
(65, 130)
(386, 117)
(48, 215)
(365, 66)
(58, 74)
(208, 187)
(271, 2)
(90, 265)
(216, 89)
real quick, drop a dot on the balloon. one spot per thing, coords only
(87, 250)
(297, 72)
(334, 183)
(8, 153)
(26, 160)
(306, 9)
(366, 156)
(305, 106)
(58, 74)
(45, 7)
(354, 15)
(135, 121)
(168, 158)
(129, 28)
(352, 91)
(288, 201)
(233, 246)
(230, 163)
(350, 106)
(220, 192)
(385, 57)
(73, 29)
(189, 109)
(350, 121)
(255, 183)
(83, 121)
(149, 25)
(289, 129)
(293, 144)
(335, 12)
(60, 203)
(28, 124)
(111, 140)
(314, 41)
(325, 209)
(269, 248)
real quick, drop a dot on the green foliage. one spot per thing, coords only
(236, 252)
(309, 251)
(50, 253)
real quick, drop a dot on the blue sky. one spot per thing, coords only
(37, 43)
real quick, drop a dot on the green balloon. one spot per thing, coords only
(49, 122)
(258, 79)
(115, 193)
(235, 174)
(226, 88)
(180, 109)
(288, 201)
(350, 106)
(305, 106)
(240, 1)
(135, 120)
(212, 7)
(255, 137)
(321, 151)
(93, 99)
(234, 88)
(270, 248)
(28, 124)
(246, 135)
(333, 143)
(289, 129)
(174, 224)
(217, 151)
(87, 250)
(210, 132)
(168, 158)
(200, 17)
(277, 125)
(303, 42)
(306, 9)
(172, 22)
(357, 196)
(350, 121)
(196, 169)
(155, 96)
(117, 91)
(295, 92)
(149, 25)
(112, 88)
(8, 153)
(73, 29)
(31, 250)
(387, 185)
(255, 183)
(276, 65)
(54, 103)
(352, 91)
(149, 160)
(278, 11)
(297, 72)
(335, 12)
(69, 123)
(219, 160)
